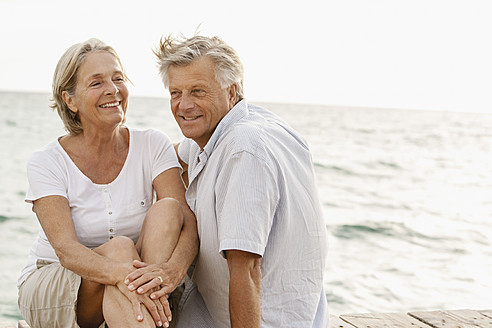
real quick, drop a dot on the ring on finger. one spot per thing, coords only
(160, 279)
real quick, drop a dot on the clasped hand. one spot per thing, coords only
(155, 282)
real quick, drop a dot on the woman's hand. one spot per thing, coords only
(159, 309)
(147, 277)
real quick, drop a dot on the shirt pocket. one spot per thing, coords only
(132, 218)
(139, 205)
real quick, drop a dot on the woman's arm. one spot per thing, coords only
(184, 173)
(169, 184)
(54, 215)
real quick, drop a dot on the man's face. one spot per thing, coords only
(198, 102)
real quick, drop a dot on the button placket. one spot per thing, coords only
(197, 166)
(190, 196)
(109, 209)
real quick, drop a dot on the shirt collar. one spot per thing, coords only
(236, 113)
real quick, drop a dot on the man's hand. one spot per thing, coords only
(244, 288)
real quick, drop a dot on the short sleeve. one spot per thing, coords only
(46, 177)
(162, 153)
(247, 197)
(184, 150)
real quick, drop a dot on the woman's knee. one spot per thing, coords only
(168, 209)
(117, 247)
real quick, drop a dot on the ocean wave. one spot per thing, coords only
(4, 218)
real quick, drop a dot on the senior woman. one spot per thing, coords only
(93, 192)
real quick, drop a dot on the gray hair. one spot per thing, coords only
(65, 79)
(181, 52)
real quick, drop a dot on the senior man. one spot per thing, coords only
(251, 185)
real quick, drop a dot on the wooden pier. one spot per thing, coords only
(20, 324)
(425, 319)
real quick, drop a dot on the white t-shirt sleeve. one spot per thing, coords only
(184, 150)
(45, 176)
(162, 153)
(247, 197)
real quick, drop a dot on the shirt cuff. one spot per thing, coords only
(241, 245)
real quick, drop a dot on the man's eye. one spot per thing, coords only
(198, 92)
(95, 84)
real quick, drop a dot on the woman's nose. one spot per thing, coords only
(112, 89)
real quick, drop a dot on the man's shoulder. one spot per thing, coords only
(248, 134)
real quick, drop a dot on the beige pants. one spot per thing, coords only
(48, 297)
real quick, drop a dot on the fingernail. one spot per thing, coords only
(159, 324)
(130, 286)
(152, 296)
(169, 318)
(127, 281)
(166, 324)
(140, 290)
(139, 317)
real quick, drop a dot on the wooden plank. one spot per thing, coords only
(7, 325)
(453, 319)
(487, 313)
(380, 320)
(336, 322)
(425, 319)
(471, 317)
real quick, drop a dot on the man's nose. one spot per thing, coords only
(186, 101)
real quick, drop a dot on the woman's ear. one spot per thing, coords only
(69, 101)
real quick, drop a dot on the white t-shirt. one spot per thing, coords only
(99, 211)
(252, 188)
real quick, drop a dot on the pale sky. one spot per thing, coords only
(415, 54)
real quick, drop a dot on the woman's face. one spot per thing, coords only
(101, 95)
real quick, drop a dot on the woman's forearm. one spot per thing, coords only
(93, 265)
(54, 215)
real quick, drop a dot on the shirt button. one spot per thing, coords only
(110, 213)
(111, 230)
(111, 237)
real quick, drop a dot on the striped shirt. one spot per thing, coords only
(252, 188)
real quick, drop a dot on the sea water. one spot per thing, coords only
(406, 197)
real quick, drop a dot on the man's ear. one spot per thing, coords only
(69, 101)
(232, 96)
